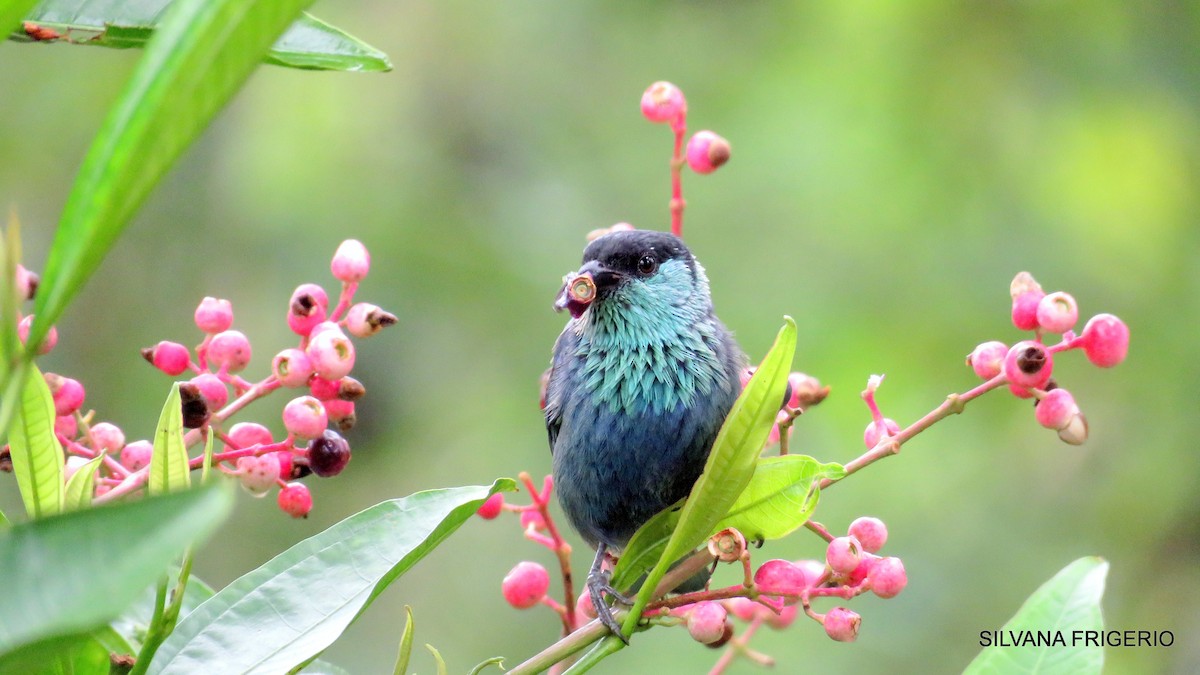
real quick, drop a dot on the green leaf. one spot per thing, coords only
(169, 470)
(69, 655)
(406, 641)
(341, 571)
(645, 547)
(1067, 603)
(497, 661)
(37, 457)
(11, 13)
(201, 54)
(79, 487)
(320, 667)
(308, 43)
(71, 573)
(10, 305)
(133, 623)
(781, 496)
(441, 664)
(730, 463)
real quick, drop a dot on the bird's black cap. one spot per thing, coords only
(621, 251)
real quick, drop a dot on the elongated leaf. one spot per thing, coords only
(52, 565)
(645, 547)
(10, 345)
(780, 497)
(201, 54)
(132, 624)
(406, 641)
(79, 487)
(37, 457)
(437, 657)
(11, 13)
(730, 463)
(1065, 606)
(320, 667)
(340, 570)
(169, 469)
(308, 43)
(70, 655)
(497, 661)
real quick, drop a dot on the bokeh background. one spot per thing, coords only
(894, 164)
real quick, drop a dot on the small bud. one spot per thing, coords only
(663, 102)
(295, 500)
(842, 624)
(987, 360)
(706, 622)
(870, 532)
(1105, 340)
(875, 431)
(108, 437)
(229, 350)
(170, 357)
(351, 262)
(706, 152)
(248, 434)
(292, 368)
(887, 577)
(1057, 312)
(843, 554)
(68, 394)
(305, 417)
(331, 354)
(1028, 364)
(258, 474)
(491, 507)
(1023, 282)
(781, 577)
(341, 414)
(213, 389)
(48, 342)
(806, 391)
(1076, 431)
(525, 585)
(328, 454)
(136, 455)
(27, 283)
(214, 315)
(364, 320)
(306, 308)
(193, 405)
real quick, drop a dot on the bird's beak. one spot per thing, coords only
(580, 289)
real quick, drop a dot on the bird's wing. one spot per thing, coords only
(556, 383)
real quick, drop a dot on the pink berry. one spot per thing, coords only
(351, 262)
(525, 585)
(331, 354)
(214, 315)
(1055, 409)
(491, 507)
(887, 577)
(663, 102)
(66, 426)
(1028, 364)
(870, 532)
(584, 609)
(68, 393)
(1105, 340)
(108, 437)
(74, 463)
(1057, 312)
(323, 389)
(170, 357)
(328, 454)
(987, 360)
(875, 431)
(248, 434)
(213, 389)
(1024, 309)
(744, 608)
(27, 283)
(781, 577)
(305, 417)
(843, 554)
(842, 624)
(341, 413)
(532, 519)
(229, 350)
(258, 474)
(364, 320)
(292, 368)
(863, 570)
(307, 308)
(1020, 392)
(783, 619)
(707, 151)
(48, 342)
(706, 622)
(295, 500)
(136, 455)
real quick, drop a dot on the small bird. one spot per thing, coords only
(640, 382)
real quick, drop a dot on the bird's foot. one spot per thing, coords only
(598, 584)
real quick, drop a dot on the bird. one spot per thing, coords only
(640, 382)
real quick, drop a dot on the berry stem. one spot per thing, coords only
(738, 646)
(541, 501)
(679, 127)
(344, 300)
(819, 530)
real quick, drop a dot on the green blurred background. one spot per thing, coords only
(894, 165)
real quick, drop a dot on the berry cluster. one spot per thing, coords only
(321, 363)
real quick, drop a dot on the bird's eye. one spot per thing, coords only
(647, 265)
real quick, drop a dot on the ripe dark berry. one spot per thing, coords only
(194, 406)
(328, 454)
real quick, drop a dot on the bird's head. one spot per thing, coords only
(640, 270)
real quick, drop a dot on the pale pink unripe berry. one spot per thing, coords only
(491, 507)
(295, 500)
(584, 608)
(364, 320)
(212, 389)
(784, 618)
(170, 357)
(341, 413)
(27, 283)
(532, 519)
(66, 426)
(843, 554)
(305, 417)
(331, 354)
(525, 585)
(875, 431)
(1024, 309)
(48, 342)
(328, 454)
(307, 308)
(68, 393)
(870, 532)
(987, 359)
(663, 102)
(745, 375)
(1055, 409)
(781, 577)
(248, 434)
(1057, 312)
(73, 464)
(229, 350)
(842, 624)
(323, 389)
(292, 368)
(1105, 340)
(214, 315)
(706, 622)
(258, 474)
(136, 455)
(887, 577)
(743, 608)
(108, 437)
(706, 152)
(1028, 364)
(351, 262)
(863, 570)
